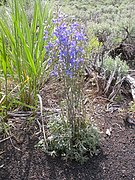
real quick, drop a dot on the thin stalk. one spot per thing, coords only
(42, 119)
(4, 64)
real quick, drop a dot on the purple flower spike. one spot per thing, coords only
(69, 73)
(67, 46)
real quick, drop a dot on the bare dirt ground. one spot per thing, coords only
(115, 160)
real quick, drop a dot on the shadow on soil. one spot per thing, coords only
(33, 164)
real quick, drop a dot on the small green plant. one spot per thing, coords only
(4, 127)
(60, 136)
(120, 67)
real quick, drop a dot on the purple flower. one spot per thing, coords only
(69, 73)
(67, 47)
(49, 46)
(45, 35)
(54, 72)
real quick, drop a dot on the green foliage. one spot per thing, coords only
(107, 16)
(93, 45)
(110, 65)
(60, 140)
(2, 2)
(22, 53)
(4, 127)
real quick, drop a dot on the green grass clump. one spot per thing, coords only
(22, 52)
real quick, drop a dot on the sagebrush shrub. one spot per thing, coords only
(110, 65)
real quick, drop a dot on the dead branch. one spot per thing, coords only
(110, 81)
(131, 80)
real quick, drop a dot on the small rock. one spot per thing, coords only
(108, 132)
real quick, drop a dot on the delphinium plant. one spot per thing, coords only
(70, 134)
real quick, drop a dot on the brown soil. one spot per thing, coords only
(115, 160)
